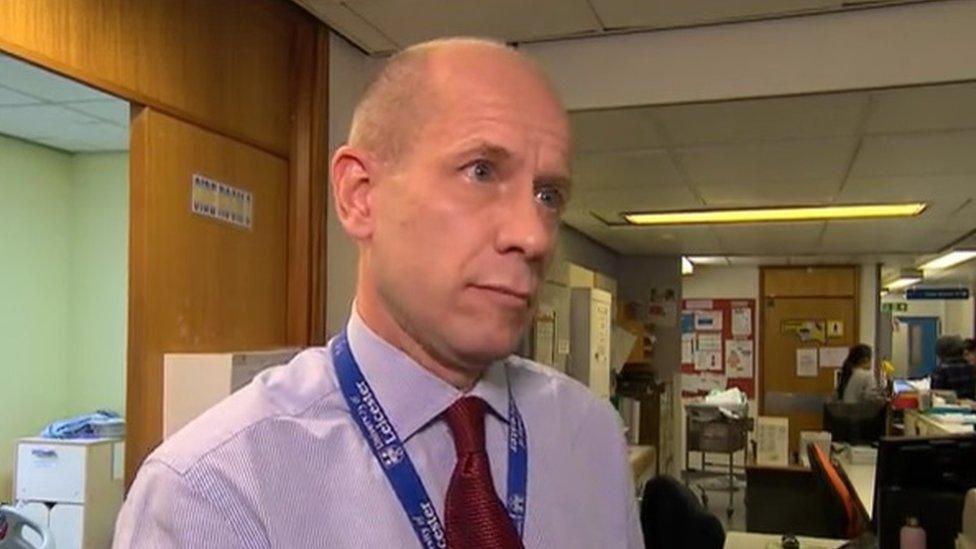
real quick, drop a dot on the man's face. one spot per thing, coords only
(466, 219)
(970, 357)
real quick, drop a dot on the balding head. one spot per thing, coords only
(453, 184)
(404, 93)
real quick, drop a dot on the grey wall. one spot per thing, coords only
(636, 276)
(349, 72)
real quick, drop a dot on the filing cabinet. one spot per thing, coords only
(78, 482)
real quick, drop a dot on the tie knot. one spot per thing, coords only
(466, 419)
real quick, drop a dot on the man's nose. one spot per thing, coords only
(525, 227)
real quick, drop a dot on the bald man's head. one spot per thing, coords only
(405, 92)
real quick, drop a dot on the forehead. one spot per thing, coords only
(491, 92)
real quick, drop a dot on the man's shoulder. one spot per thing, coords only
(537, 380)
(282, 392)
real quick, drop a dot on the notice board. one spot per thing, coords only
(718, 345)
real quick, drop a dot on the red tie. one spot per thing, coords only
(475, 517)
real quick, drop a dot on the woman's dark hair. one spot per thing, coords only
(858, 354)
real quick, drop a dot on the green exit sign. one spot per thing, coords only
(894, 307)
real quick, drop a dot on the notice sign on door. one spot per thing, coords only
(222, 202)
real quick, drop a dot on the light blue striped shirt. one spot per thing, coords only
(282, 464)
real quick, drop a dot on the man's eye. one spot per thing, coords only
(551, 197)
(480, 170)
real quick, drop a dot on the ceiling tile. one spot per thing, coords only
(641, 170)
(908, 188)
(951, 106)
(40, 120)
(10, 97)
(608, 203)
(917, 154)
(884, 236)
(770, 238)
(114, 112)
(785, 162)
(813, 116)
(352, 26)
(749, 193)
(20, 76)
(614, 129)
(662, 240)
(625, 14)
(508, 20)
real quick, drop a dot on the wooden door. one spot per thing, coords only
(824, 295)
(197, 284)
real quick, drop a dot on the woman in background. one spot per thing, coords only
(857, 382)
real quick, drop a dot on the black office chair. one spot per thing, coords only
(673, 518)
(859, 423)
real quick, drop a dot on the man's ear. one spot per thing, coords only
(352, 184)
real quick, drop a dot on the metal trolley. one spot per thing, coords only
(710, 431)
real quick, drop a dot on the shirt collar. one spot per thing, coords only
(411, 396)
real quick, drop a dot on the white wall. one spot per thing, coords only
(714, 282)
(349, 72)
(870, 303)
(721, 283)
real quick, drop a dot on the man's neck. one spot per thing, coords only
(386, 327)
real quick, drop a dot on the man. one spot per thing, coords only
(969, 351)
(416, 428)
(953, 372)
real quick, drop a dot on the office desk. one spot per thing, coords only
(752, 540)
(918, 424)
(861, 477)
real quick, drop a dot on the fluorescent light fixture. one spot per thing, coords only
(778, 214)
(709, 260)
(687, 267)
(947, 260)
(905, 278)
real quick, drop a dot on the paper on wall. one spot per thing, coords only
(742, 321)
(708, 361)
(708, 320)
(738, 358)
(687, 348)
(709, 342)
(695, 383)
(709, 382)
(832, 357)
(806, 362)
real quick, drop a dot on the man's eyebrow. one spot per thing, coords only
(487, 150)
(555, 180)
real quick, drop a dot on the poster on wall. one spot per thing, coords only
(662, 307)
(709, 342)
(711, 354)
(687, 348)
(832, 357)
(708, 361)
(738, 358)
(708, 320)
(741, 321)
(806, 362)
(808, 331)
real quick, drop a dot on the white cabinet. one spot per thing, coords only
(591, 311)
(79, 482)
(192, 383)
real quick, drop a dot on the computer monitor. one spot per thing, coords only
(926, 478)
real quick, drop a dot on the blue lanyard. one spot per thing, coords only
(388, 449)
